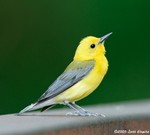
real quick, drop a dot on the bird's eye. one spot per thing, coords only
(92, 46)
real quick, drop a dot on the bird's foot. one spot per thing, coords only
(76, 113)
(85, 113)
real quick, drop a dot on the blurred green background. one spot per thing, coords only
(38, 40)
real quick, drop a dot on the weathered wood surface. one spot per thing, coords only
(120, 117)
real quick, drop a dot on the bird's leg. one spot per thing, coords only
(86, 113)
(77, 110)
(80, 111)
(78, 107)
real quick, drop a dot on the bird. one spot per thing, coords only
(81, 77)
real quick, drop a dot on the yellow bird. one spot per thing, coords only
(81, 78)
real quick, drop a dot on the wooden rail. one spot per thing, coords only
(121, 118)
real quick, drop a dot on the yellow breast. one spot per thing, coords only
(87, 85)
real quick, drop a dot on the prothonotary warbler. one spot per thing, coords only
(81, 78)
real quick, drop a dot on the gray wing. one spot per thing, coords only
(76, 71)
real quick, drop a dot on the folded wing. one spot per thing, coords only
(75, 72)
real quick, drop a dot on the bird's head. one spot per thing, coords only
(91, 47)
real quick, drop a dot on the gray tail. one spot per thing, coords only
(28, 108)
(37, 105)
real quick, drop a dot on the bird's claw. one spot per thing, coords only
(72, 113)
(75, 113)
(86, 113)
(93, 114)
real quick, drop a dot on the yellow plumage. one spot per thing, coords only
(86, 86)
(81, 77)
